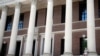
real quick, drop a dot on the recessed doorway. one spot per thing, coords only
(83, 45)
(4, 49)
(18, 46)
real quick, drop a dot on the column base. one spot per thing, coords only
(10, 55)
(46, 55)
(92, 54)
(67, 54)
(27, 55)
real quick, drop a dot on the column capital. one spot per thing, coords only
(4, 8)
(17, 4)
(34, 1)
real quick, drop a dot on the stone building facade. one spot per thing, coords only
(49, 27)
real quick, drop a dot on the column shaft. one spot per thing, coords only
(31, 28)
(12, 45)
(68, 27)
(91, 26)
(2, 24)
(48, 30)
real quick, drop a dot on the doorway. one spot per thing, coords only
(4, 49)
(18, 46)
(83, 45)
(33, 49)
(62, 46)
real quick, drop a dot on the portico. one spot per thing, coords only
(33, 7)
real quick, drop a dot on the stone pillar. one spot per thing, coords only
(48, 30)
(2, 24)
(91, 41)
(31, 28)
(12, 46)
(68, 29)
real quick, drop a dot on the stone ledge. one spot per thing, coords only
(46, 54)
(67, 54)
(27, 55)
(10, 55)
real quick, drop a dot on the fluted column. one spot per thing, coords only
(91, 41)
(68, 29)
(12, 46)
(31, 28)
(48, 30)
(2, 24)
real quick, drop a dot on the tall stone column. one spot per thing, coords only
(31, 28)
(68, 29)
(2, 24)
(91, 41)
(48, 30)
(12, 46)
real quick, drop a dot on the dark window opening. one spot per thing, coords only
(81, 48)
(45, 16)
(82, 11)
(21, 21)
(4, 49)
(83, 45)
(51, 45)
(36, 18)
(18, 44)
(63, 14)
(62, 46)
(33, 50)
(99, 8)
(8, 25)
(43, 45)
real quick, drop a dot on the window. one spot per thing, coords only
(99, 8)
(84, 15)
(8, 23)
(20, 25)
(51, 45)
(82, 11)
(36, 18)
(45, 16)
(63, 14)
